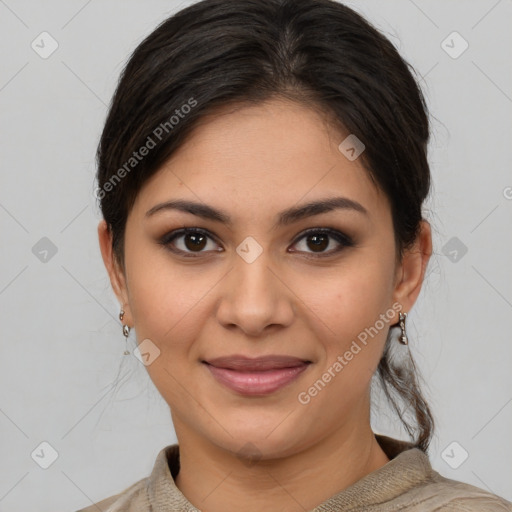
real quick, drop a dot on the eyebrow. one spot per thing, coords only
(286, 217)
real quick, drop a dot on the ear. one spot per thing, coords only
(115, 273)
(411, 270)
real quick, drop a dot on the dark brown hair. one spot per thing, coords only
(318, 52)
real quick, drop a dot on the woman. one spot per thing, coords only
(261, 176)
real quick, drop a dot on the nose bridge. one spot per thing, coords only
(254, 297)
(253, 284)
(251, 264)
(252, 271)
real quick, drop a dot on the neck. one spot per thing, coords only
(216, 480)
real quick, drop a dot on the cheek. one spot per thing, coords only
(353, 312)
(161, 298)
(349, 298)
(166, 304)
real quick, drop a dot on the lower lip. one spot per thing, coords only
(256, 383)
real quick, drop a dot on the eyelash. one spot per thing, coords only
(341, 238)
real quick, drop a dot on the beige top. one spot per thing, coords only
(406, 482)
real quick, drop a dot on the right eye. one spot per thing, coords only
(191, 240)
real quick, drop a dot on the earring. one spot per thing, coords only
(126, 331)
(403, 336)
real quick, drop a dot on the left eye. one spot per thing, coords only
(320, 240)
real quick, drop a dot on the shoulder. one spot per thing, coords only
(490, 504)
(137, 497)
(133, 498)
(447, 495)
(422, 489)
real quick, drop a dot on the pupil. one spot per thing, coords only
(319, 241)
(196, 243)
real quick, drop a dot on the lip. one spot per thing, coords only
(256, 376)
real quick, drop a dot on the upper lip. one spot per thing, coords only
(243, 363)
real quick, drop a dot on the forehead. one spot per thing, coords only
(270, 155)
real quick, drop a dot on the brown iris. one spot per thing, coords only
(195, 241)
(318, 241)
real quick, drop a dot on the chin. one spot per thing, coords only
(261, 443)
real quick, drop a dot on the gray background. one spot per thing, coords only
(64, 379)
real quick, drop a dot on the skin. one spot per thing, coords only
(253, 163)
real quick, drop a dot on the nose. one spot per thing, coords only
(255, 297)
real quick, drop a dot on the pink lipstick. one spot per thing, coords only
(256, 376)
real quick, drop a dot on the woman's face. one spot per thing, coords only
(259, 285)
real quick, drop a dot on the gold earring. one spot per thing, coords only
(403, 335)
(126, 331)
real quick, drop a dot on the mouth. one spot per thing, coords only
(256, 376)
